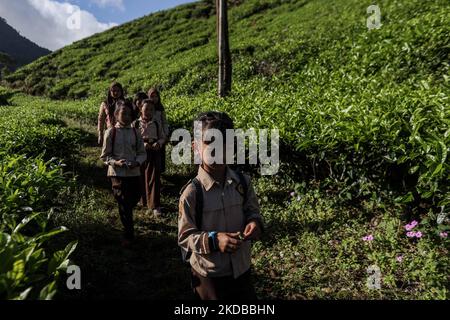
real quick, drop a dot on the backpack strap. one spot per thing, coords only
(243, 183)
(114, 133)
(157, 128)
(198, 203)
(136, 137)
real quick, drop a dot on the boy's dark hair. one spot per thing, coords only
(149, 102)
(140, 96)
(123, 104)
(215, 120)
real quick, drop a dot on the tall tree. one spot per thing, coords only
(223, 44)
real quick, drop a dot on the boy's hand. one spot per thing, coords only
(134, 164)
(228, 242)
(252, 231)
(120, 163)
(156, 146)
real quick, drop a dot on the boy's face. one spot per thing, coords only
(116, 92)
(208, 152)
(124, 116)
(147, 111)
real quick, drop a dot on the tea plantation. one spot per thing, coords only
(364, 123)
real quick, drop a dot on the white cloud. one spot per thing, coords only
(110, 3)
(50, 23)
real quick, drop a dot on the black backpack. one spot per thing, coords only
(185, 254)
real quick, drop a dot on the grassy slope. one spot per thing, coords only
(341, 95)
(332, 88)
(312, 248)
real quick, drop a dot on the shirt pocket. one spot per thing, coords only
(213, 215)
(234, 210)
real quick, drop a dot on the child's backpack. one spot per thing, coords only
(185, 254)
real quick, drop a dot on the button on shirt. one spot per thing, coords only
(223, 211)
(128, 145)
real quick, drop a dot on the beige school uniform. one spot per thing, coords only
(128, 146)
(152, 130)
(151, 169)
(222, 212)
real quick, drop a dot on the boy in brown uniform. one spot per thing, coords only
(123, 151)
(219, 244)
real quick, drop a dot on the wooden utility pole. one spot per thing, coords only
(223, 44)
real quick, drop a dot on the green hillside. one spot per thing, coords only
(364, 122)
(345, 97)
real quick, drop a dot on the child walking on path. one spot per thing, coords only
(219, 216)
(123, 151)
(153, 136)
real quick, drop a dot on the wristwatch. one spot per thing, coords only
(213, 242)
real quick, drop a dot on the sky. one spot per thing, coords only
(53, 24)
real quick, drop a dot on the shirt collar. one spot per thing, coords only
(143, 121)
(208, 181)
(118, 125)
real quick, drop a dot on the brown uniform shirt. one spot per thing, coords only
(223, 211)
(126, 147)
(151, 130)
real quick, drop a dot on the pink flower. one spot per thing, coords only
(412, 234)
(399, 258)
(292, 194)
(411, 225)
(368, 238)
(443, 234)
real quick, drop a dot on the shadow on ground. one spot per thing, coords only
(151, 269)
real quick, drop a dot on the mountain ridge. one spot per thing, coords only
(17, 47)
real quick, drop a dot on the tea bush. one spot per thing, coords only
(31, 177)
(27, 268)
(363, 118)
